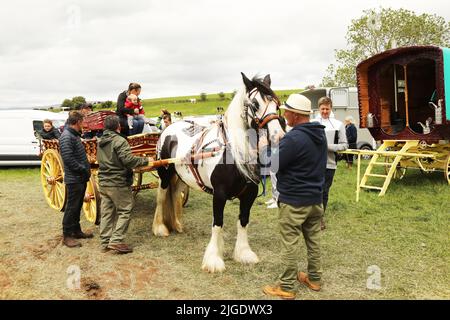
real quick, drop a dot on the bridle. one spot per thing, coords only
(250, 110)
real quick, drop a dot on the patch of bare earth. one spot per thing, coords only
(40, 250)
(5, 281)
(130, 276)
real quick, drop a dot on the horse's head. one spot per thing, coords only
(261, 108)
(251, 121)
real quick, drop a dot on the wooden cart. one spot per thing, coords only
(52, 170)
(403, 95)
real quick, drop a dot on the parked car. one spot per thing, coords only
(19, 145)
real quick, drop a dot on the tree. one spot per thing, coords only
(376, 32)
(78, 102)
(106, 105)
(221, 95)
(203, 96)
(67, 104)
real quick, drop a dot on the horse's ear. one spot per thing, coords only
(248, 83)
(267, 80)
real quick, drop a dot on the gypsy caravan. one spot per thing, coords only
(401, 94)
(402, 101)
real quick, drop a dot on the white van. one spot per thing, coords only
(18, 143)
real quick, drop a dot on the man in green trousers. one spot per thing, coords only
(301, 173)
(115, 177)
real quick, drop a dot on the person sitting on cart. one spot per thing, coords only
(167, 120)
(160, 123)
(49, 132)
(85, 110)
(135, 120)
(115, 177)
(122, 111)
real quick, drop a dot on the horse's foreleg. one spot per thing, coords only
(213, 258)
(242, 251)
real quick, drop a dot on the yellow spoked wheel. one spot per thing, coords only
(52, 179)
(447, 169)
(91, 203)
(399, 172)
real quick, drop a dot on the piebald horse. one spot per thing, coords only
(222, 160)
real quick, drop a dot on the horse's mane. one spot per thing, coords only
(239, 145)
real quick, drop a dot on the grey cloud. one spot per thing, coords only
(56, 50)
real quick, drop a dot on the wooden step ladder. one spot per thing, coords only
(385, 150)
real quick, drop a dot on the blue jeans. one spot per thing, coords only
(138, 126)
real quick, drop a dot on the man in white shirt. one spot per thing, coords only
(336, 140)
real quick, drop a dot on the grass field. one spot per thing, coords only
(152, 107)
(405, 233)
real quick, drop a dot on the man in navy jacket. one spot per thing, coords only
(76, 174)
(301, 174)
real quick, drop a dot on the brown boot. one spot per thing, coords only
(313, 285)
(120, 247)
(71, 242)
(278, 292)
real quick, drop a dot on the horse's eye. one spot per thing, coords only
(255, 102)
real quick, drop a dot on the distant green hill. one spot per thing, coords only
(152, 107)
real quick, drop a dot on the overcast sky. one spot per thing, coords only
(52, 50)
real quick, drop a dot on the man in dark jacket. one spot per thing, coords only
(301, 173)
(115, 178)
(76, 174)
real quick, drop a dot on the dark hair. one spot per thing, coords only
(48, 121)
(86, 106)
(134, 86)
(325, 100)
(112, 122)
(74, 117)
(167, 116)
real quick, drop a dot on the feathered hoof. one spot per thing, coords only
(246, 256)
(213, 264)
(178, 227)
(160, 230)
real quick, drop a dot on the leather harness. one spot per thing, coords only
(198, 154)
